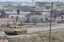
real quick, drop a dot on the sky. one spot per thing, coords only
(26, 0)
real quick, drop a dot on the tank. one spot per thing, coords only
(15, 30)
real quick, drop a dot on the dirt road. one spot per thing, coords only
(32, 30)
(59, 26)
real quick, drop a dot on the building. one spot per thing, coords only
(14, 14)
(7, 3)
(45, 8)
(37, 18)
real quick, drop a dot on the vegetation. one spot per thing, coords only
(37, 26)
(57, 36)
(3, 14)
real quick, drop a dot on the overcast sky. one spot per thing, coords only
(26, 0)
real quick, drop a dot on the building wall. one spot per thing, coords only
(14, 16)
(37, 18)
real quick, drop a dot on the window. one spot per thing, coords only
(47, 7)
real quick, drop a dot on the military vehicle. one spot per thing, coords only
(15, 30)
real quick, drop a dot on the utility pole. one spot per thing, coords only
(50, 22)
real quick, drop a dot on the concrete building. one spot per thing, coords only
(14, 14)
(26, 8)
(7, 3)
(37, 18)
(45, 8)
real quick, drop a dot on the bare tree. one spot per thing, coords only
(3, 15)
